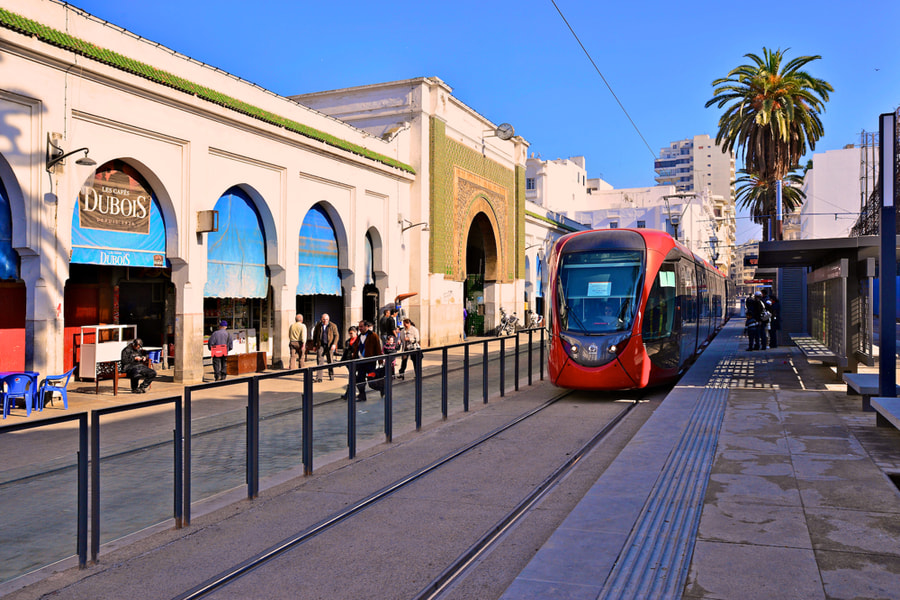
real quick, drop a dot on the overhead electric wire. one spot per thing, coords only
(588, 54)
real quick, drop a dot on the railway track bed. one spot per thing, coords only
(393, 547)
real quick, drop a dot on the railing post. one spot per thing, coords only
(187, 456)
(418, 357)
(179, 462)
(444, 407)
(484, 370)
(502, 366)
(351, 412)
(530, 358)
(252, 437)
(541, 362)
(516, 370)
(307, 420)
(466, 378)
(388, 400)
(82, 539)
(95, 485)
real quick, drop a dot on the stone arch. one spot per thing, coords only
(481, 215)
(270, 230)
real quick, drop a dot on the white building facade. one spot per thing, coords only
(833, 194)
(212, 199)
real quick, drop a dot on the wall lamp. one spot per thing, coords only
(411, 225)
(56, 154)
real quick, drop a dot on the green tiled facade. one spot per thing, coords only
(464, 183)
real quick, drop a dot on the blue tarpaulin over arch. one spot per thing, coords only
(7, 254)
(318, 256)
(236, 255)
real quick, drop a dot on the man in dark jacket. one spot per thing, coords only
(134, 363)
(367, 344)
(755, 308)
(219, 338)
(325, 340)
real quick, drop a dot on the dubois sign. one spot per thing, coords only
(115, 202)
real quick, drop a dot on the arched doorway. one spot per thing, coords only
(118, 271)
(371, 297)
(237, 282)
(319, 284)
(12, 295)
(481, 271)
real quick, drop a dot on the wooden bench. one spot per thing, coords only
(888, 412)
(865, 385)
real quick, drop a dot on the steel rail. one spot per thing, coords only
(225, 577)
(463, 564)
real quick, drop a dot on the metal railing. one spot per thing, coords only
(183, 435)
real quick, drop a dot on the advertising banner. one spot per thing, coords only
(117, 222)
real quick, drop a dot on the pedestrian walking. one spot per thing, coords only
(134, 363)
(297, 342)
(386, 325)
(220, 344)
(325, 339)
(367, 345)
(409, 336)
(754, 311)
(774, 308)
(349, 352)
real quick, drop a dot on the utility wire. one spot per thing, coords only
(588, 54)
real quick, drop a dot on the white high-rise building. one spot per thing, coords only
(696, 164)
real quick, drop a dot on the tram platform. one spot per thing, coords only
(756, 477)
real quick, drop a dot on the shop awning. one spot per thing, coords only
(7, 254)
(318, 256)
(117, 222)
(236, 258)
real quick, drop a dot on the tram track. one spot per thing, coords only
(457, 567)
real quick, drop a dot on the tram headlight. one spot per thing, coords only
(594, 351)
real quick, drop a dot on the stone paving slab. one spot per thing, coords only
(798, 501)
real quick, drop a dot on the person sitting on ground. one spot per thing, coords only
(134, 363)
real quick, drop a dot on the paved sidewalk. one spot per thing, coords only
(788, 497)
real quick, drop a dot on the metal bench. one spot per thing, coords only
(888, 410)
(814, 349)
(865, 385)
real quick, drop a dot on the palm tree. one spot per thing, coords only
(759, 195)
(772, 113)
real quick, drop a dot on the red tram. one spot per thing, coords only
(630, 308)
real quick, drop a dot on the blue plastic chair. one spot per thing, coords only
(53, 383)
(17, 386)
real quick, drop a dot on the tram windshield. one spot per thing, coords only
(597, 290)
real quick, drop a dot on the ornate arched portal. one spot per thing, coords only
(480, 270)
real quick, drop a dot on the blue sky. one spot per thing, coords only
(517, 62)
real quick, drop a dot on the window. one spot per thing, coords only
(529, 183)
(613, 224)
(642, 224)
